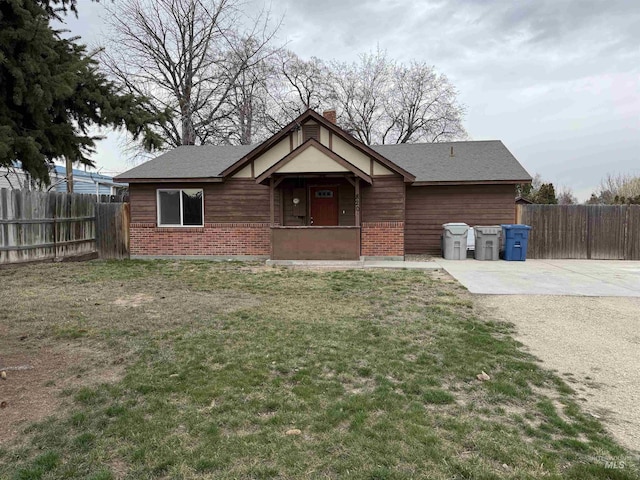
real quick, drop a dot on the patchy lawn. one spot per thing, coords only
(227, 370)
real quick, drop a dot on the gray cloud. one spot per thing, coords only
(557, 80)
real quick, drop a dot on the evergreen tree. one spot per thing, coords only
(546, 194)
(51, 93)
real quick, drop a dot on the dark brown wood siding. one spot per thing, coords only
(383, 201)
(289, 217)
(430, 206)
(238, 200)
(346, 205)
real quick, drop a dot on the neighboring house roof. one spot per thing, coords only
(421, 163)
(83, 181)
(95, 177)
(523, 200)
(472, 161)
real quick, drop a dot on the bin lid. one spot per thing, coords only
(514, 226)
(456, 228)
(489, 229)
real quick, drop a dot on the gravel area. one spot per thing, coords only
(593, 342)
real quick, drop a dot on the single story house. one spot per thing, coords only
(312, 191)
(93, 183)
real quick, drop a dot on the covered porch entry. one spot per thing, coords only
(319, 218)
(317, 194)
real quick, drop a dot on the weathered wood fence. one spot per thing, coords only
(36, 226)
(112, 230)
(602, 232)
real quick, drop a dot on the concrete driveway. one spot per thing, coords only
(591, 278)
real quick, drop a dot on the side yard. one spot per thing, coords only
(227, 370)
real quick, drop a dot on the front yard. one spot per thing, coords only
(228, 370)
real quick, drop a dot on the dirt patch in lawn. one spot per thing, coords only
(34, 382)
(73, 333)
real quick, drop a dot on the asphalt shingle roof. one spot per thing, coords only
(486, 160)
(190, 161)
(430, 162)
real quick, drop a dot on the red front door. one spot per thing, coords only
(324, 206)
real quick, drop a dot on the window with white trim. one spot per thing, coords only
(180, 207)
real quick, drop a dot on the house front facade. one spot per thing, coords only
(314, 192)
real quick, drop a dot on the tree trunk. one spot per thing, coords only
(69, 168)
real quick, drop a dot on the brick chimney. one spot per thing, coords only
(330, 115)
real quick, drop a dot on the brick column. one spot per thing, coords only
(382, 239)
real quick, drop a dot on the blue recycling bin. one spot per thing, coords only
(516, 239)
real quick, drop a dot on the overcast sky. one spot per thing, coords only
(558, 81)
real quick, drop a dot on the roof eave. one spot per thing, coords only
(171, 180)
(469, 182)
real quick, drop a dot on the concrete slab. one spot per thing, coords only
(350, 264)
(592, 278)
(402, 265)
(346, 264)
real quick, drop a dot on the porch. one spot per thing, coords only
(318, 217)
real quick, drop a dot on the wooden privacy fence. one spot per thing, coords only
(54, 226)
(112, 230)
(601, 232)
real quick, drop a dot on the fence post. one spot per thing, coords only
(625, 239)
(589, 239)
(55, 226)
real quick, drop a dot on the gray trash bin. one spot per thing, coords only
(454, 241)
(488, 242)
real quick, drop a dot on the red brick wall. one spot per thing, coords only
(212, 239)
(382, 239)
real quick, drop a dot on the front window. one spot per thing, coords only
(180, 207)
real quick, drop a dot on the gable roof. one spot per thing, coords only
(485, 161)
(313, 143)
(332, 127)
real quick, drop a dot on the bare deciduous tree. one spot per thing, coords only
(381, 101)
(566, 196)
(619, 185)
(378, 100)
(294, 86)
(222, 85)
(188, 55)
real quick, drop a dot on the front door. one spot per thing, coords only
(324, 206)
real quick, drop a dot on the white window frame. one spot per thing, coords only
(182, 225)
